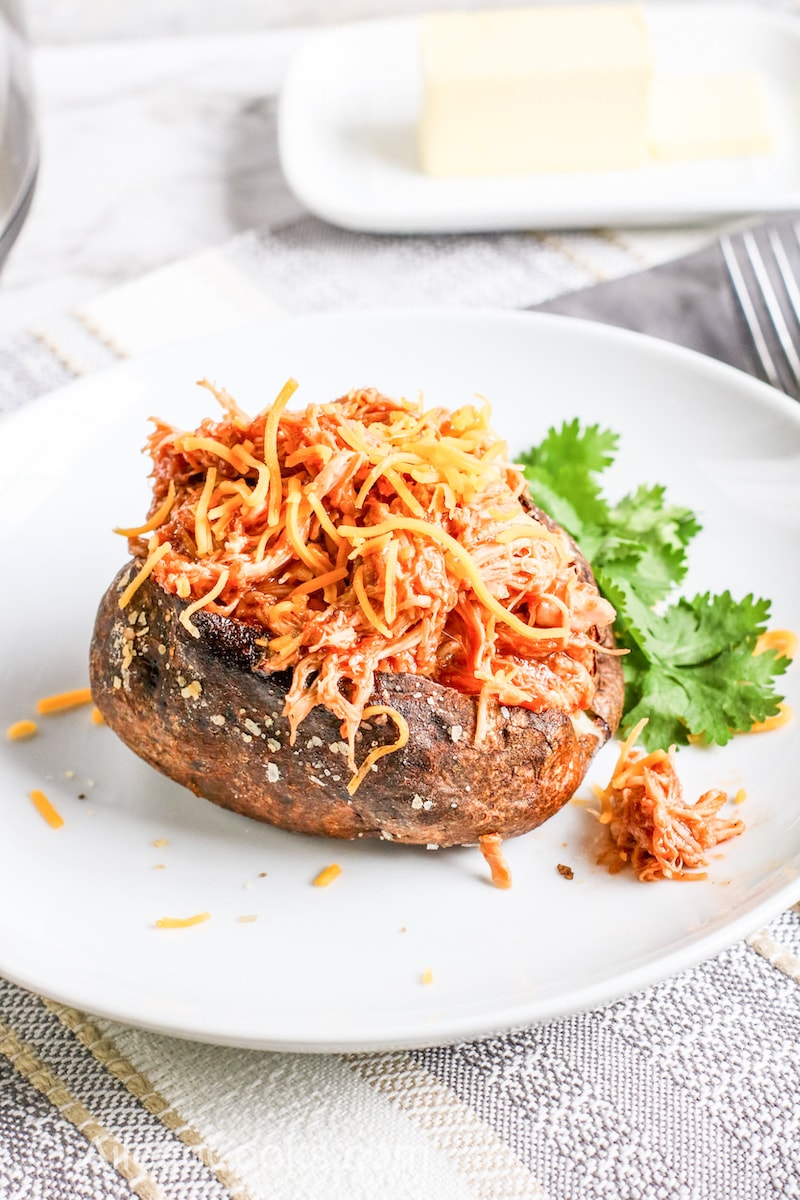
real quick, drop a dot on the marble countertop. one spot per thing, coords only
(151, 150)
(157, 128)
(157, 147)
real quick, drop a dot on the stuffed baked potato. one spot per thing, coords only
(351, 621)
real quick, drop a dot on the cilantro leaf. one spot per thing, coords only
(653, 693)
(562, 470)
(632, 627)
(661, 531)
(691, 632)
(690, 667)
(692, 671)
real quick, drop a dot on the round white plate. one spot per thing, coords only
(341, 968)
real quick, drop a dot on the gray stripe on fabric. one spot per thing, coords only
(313, 267)
(28, 369)
(172, 1163)
(687, 1091)
(141, 1088)
(43, 1156)
(23, 1058)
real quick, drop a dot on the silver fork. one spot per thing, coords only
(766, 285)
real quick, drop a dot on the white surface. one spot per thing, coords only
(151, 152)
(69, 21)
(330, 968)
(351, 102)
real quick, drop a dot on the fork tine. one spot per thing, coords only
(750, 314)
(786, 272)
(772, 302)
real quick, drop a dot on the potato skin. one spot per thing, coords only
(202, 712)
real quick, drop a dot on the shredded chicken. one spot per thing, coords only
(491, 848)
(650, 823)
(370, 535)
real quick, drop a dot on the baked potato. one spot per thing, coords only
(204, 698)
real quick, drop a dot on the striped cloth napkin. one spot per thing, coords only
(687, 1091)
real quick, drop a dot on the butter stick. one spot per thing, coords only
(544, 89)
(709, 116)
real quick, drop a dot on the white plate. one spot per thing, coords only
(340, 967)
(352, 97)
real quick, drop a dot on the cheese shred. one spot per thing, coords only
(490, 847)
(203, 602)
(379, 751)
(149, 564)
(327, 876)
(158, 517)
(271, 448)
(45, 809)
(784, 641)
(782, 717)
(426, 530)
(63, 700)
(182, 922)
(21, 730)
(371, 535)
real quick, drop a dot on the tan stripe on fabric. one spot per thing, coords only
(619, 243)
(38, 1075)
(140, 1087)
(489, 1167)
(57, 351)
(96, 331)
(776, 954)
(563, 246)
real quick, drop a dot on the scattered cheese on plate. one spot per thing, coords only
(21, 730)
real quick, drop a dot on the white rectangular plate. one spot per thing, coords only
(351, 101)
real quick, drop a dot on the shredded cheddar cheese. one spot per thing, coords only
(203, 535)
(326, 877)
(491, 848)
(271, 448)
(426, 530)
(782, 640)
(20, 730)
(371, 535)
(158, 517)
(782, 717)
(64, 700)
(366, 607)
(150, 563)
(46, 810)
(182, 922)
(202, 602)
(379, 751)
(209, 446)
(320, 582)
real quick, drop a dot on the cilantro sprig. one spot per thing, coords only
(690, 667)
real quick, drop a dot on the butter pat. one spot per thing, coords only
(709, 116)
(516, 91)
